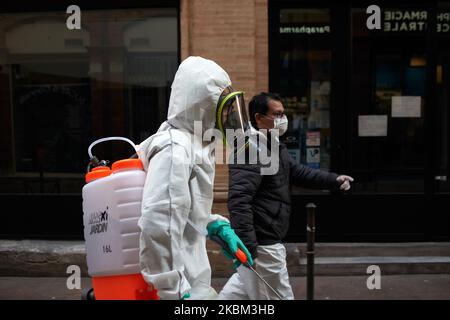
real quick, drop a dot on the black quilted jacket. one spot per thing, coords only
(260, 205)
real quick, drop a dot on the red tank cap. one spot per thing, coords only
(127, 164)
(97, 173)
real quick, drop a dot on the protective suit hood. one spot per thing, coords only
(196, 89)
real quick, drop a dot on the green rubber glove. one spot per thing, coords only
(186, 296)
(223, 230)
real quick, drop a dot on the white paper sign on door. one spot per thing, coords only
(406, 106)
(372, 126)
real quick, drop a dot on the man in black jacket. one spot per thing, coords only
(260, 206)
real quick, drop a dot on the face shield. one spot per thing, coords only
(231, 113)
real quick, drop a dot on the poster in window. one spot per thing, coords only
(313, 157)
(313, 138)
(372, 126)
(406, 106)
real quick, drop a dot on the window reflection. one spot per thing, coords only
(62, 89)
(305, 83)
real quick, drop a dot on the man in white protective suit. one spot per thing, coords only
(178, 192)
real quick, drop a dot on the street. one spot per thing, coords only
(393, 287)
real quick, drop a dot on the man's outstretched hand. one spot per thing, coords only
(345, 182)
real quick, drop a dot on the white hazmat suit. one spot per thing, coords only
(173, 254)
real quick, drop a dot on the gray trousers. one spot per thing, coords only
(271, 265)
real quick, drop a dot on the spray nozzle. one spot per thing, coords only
(94, 162)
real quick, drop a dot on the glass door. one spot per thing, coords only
(441, 175)
(389, 102)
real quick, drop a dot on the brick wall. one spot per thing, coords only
(234, 34)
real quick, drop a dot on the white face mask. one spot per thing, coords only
(281, 124)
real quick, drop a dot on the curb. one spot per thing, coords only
(40, 258)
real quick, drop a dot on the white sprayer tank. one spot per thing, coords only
(112, 207)
(111, 210)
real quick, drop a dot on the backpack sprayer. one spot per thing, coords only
(112, 200)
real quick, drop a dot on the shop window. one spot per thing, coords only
(305, 83)
(62, 89)
(389, 82)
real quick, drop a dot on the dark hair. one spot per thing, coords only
(259, 104)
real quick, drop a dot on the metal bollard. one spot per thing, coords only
(310, 236)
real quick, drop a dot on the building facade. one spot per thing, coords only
(371, 103)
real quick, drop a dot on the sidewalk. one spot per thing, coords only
(393, 287)
(38, 258)
(32, 269)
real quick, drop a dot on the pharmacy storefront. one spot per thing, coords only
(367, 94)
